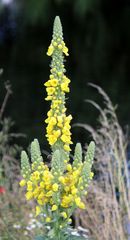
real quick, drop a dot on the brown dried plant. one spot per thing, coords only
(9, 149)
(13, 210)
(108, 202)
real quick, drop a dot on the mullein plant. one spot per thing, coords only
(58, 189)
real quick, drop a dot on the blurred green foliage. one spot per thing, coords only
(98, 36)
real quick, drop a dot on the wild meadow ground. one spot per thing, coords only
(17, 220)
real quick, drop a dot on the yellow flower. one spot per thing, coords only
(65, 138)
(68, 118)
(29, 186)
(52, 139)
(67, 201)
(82, 205)
(49, 194)
(49, 114)
(48, 186)
(65, 161)
(66, 189)
(46, 173)
(76, 173)
(36, 192)
(60, 119)
(70, 220)
(77, 200)
(41, 195)
(53, 82)
(64, 87)
(55, 187)
(40, 202)
(65, 51)
(50, 50)
(56, 133)
(67, 148)
(85, 193)
(54, 208)
(79, 203)
(36, 175)
(49, 129)
(48, 219)
(69, 167)
(22, 183)
(47, 84)
(91, 175)
(74, 190)
(50, 90)
(59, 73)
(56, 103)
(64, 214)
(48, 98)
(66, 79)
(60, 46)
(60, 125)
(29, 195)
(80, 180)
(38, 210)
(66, 131)
(62, 179)
(55, 44)
(52, 121)
(42, 185)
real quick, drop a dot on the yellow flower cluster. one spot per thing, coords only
(58, 44)
(53, 195)
(58, 128)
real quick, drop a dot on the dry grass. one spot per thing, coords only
(108, 200)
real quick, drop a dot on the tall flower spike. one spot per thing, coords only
(58, 124)
(57, 189)
(35, 151)
(86, 170)
(77, 155)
